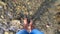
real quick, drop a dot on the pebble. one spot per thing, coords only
(47, 26)
(2, 3)
(16, 21)
(6, 32)
(1, 7)
(2, 16)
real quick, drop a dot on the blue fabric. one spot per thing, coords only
(22, 32)
(34, 31)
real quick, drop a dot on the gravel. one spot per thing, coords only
(44, 14)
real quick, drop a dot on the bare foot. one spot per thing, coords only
(30, 26)
(25, 23)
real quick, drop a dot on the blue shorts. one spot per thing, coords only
(34, 31)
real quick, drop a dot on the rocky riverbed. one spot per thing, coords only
(44, 13)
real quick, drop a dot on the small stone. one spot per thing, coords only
(6, 32)
(48, 25)
(1, 7)
(31, 13)
(11, 33)
(2, 3)
(16, 21)
(28, 3)
(2, 16)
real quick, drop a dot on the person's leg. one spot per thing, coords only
(36, 31)
(22, 32)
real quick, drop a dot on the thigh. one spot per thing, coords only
(36, 31)
(22, 32)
